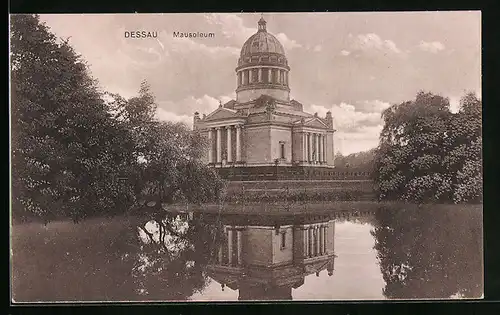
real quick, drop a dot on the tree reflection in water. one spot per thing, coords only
(430, 253)
(166, 258)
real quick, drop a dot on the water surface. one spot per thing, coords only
(399, 252)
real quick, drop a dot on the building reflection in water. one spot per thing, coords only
(265, 257)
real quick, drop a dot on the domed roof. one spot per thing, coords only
(262, 42)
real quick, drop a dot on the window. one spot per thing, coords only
(265, 75)
(255, 75)
(275, 76)
(282, 150)
(283, 240)
(245, 77)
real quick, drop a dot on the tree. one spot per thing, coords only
(410, 151)
(60, 127)
(464, 147)
(359, 160)
(72, 145)
(168, 166)
(426, 153)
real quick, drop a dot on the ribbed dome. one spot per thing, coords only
(262, 68)
(262, 42)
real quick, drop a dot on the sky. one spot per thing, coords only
(353, 64)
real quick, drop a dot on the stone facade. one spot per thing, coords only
(263, 126)
(267, 261)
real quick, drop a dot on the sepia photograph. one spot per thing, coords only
(218, 157)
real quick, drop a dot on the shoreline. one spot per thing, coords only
(282, 208)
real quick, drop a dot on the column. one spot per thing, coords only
(269, 75)
(229, 144)
(325, 233)
(309, 140)
(314, 249)
(310, 239)
(313, 145)
(320, 154)
(260, 75)
(286, 78)
(238, 79)
(304, 146)
(238, 143)
(304, 242)
(324, 148)
(317, 241)
(230, 246)
(210, 146)
(239, 243)
(321, 240)
(219, 155)
(317, 148)
(220, 254)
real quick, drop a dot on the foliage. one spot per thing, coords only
(422, 253)
(426, 153)
(77, 151)
(60, 127)
(110, 260)
(168, 258)
(359, 160)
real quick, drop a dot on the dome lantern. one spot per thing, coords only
(262, 25)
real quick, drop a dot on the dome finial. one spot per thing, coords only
(262, 23)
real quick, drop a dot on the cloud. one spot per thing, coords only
(232, 27)
(165, 115)
(372, 106)
(347, 118)
(358, 125)
(287, 42)
(372, 41)
(317, 48)
(361, 140)
(187, 106)
(392, 46)
(432, 47)
(345, 53)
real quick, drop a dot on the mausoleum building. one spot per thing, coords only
(262, 126)
(265, 261)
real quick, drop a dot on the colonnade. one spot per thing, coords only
(216, 134)
(227, 246)
(314, 147)
(265, 75)
(315, 240)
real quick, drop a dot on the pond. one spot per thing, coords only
(388, 252)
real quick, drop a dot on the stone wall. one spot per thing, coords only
(292, 173)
